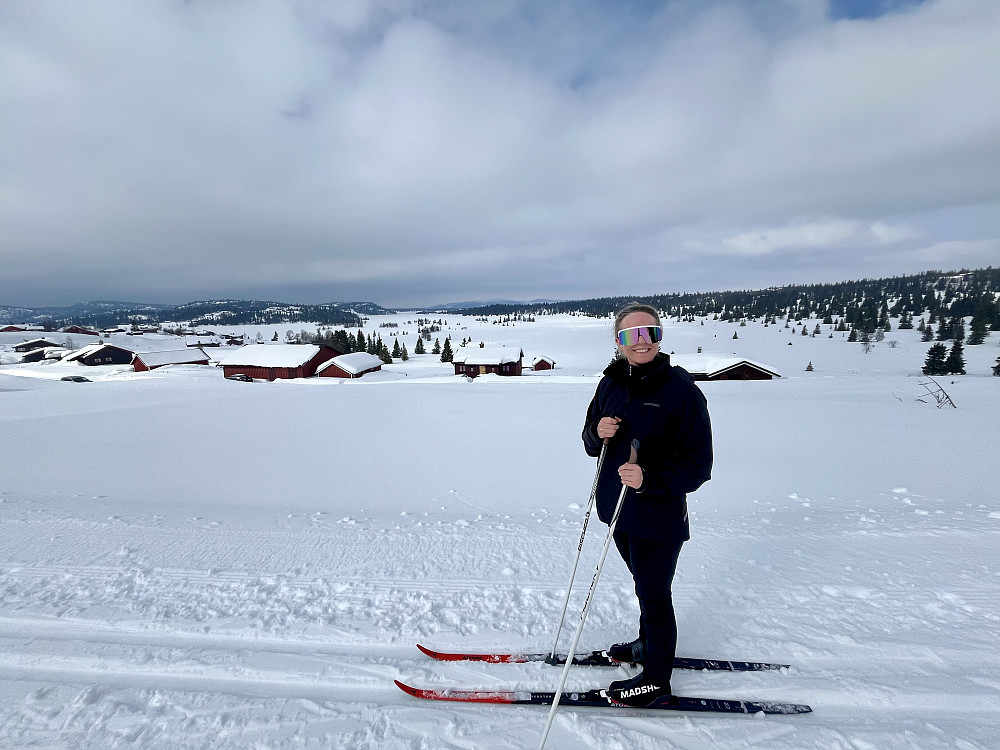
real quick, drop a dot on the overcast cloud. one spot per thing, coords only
(424, 151)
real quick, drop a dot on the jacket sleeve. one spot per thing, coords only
(591, 442)
(690, 466)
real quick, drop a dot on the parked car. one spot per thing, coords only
(76, 379)
(241, 377)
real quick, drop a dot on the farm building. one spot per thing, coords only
(352, 365)
(277, 361)
(20, 328)
(101, 354)
(27, 346)
(46, 352)
(543, 363)
(145, 361)
(710, 367)
(497, 360)
(81, 330)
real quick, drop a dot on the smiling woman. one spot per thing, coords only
(643, 398)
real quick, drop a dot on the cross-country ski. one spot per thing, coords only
(596, 698)
(598, 659)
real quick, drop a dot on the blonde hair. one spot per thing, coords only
(635, 307)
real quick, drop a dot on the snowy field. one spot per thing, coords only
(189, 562)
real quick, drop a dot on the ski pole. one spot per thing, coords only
(633, 458)
(579, 550)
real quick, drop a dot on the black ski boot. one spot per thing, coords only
(633, 653)
(638, 691)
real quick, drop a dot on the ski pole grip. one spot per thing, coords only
(633, 457)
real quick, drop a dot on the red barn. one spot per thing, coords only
(497, 360)
(352, 365)
(709, 367)
(277, 361)
(543, 363)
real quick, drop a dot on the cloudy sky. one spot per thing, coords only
(425, 151)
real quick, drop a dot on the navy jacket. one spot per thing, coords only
(661, 407)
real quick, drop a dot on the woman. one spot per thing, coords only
(642, 397)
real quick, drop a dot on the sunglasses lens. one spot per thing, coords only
(632, 336)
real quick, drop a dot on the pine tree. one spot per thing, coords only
(735, 335)
(996, 368)
(437, 347)
(419, 348)
(404, 355)
(978, 331)
(955, 363)
(360, 344)
(935, 364)
(383, 353)
(928, 334)
(854, 335)
(447, 354)
(396, 352)
(809, 367)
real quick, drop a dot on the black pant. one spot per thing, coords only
(652, 565)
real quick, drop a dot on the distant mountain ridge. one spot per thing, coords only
(104, 314)
(451, 306)
(868, 302)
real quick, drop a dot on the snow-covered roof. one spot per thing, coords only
(492, 355)
(90, 349)
(271, 355)
(37, 343)
(543, 359)
(713, 364)
(353, 363)
(172, 357)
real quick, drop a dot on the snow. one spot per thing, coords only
(173, 357)
(270, 355)
(189, 562)
(353, 363)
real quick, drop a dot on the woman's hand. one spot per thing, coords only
(631, 475)
(607, 427)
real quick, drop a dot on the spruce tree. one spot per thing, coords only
(928, 334)
(383, 354)
(978, 331)
(935, 364)
(437, 347)
(419, 348)
(955, 363)
(996, 368)
(447, 354)
(396, 352)
(404, 355)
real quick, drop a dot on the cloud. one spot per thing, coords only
(437, 147)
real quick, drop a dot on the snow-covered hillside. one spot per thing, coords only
(190, 562)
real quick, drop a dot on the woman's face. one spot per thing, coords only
(641, 353)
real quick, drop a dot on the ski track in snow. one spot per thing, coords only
(167, 583)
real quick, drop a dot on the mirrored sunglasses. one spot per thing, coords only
(632, 336)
